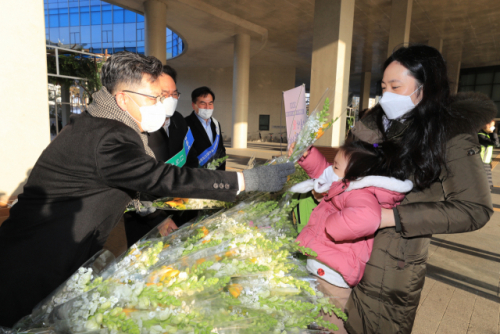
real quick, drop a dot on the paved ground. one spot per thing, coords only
(461, 292)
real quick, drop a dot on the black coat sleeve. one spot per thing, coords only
(122, 162)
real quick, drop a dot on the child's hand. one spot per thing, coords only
(318, 196)
(290, 151)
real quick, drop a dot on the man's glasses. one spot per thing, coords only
(159, 98)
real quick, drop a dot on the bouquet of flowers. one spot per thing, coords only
(176, 204)
(237, 271)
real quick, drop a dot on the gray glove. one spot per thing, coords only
(267, 178)
(147, 209)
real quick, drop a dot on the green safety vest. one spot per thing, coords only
(487, 153)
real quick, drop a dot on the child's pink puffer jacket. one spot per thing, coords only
(342, 227)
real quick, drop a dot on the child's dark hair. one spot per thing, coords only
(368, 159)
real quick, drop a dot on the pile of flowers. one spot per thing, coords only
(237, 271)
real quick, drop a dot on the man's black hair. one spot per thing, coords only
(201, 91)
(128, 68)
(168, 70)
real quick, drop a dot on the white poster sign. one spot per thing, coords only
(295, 111)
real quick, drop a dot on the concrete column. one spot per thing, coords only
(331, 61)
(400, 24)
(364, 96)
(155, 23)
(25, 131)
(436, 42)
(241, 80)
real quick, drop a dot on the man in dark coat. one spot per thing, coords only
(207, 132)
(165, 143)
(82, 182)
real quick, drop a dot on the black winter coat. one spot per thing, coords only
(76, 193)
(201, 140)
(164, 147)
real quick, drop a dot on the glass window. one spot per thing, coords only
(73, 6)
(54, 21)
(74, 20)
(129, 16)
(497, 77)
(63, 10)
(96, 35)
(495, 95)
(140, 50)
(96, 18)
(74, 38)
(264, 122)
(467, 79)
(107, 17)
(54, 35)
(118, 49)
(96, 14)
(84, 3)
(140, 43)
(63, 20)
(107, 36)
(46, 21)
(84, 19)
(106, 7)
(484, 78)
(85, 36)
(117, 16)
(64, 35)
(118, 33)
(485, 89)
(130, 32)
(140, 34)
(131, 49)
(140, 18)
(140, 25)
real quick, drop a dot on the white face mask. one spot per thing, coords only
(170, 104)
(395, 105)
(205, 113)
(492, 128)
(153, 116)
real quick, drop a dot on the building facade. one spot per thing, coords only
(98, 26)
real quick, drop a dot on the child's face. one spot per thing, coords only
(340, 164)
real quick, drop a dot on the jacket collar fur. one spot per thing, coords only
(384, 182)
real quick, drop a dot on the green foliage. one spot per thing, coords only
(76, 65)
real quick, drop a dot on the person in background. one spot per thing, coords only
(207, 132)
(165, 143)
(488, 139)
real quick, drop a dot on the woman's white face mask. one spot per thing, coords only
(395, 106)
(153, 116)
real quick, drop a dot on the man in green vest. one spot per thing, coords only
(488, 139)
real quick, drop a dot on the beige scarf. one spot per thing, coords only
(104, 106)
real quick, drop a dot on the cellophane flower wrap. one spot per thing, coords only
(237, 271)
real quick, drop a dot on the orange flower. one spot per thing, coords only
(235, 290)
(200, 261)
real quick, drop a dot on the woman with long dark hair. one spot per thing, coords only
(435, 140)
